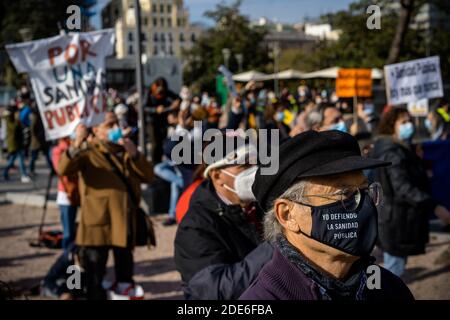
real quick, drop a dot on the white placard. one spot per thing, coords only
(67, 74)
(413, 80)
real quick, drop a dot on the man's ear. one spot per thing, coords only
(216, 176)
(284, 213)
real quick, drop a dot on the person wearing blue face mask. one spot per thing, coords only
(332, 119)
(403, 218)
(110, 171)
(437, 126)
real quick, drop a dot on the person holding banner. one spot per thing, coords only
(404, 215)
(108, 213)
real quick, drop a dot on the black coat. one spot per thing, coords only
(407, 204)
(217, 252)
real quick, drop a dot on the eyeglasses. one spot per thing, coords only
(350, 197)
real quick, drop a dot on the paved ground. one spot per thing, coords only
(22, 266)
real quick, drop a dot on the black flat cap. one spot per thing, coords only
(311, 154)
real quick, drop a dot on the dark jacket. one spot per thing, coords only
(282, 280)
(38, 140)
(14, 134)
(217, 252)
(407, 203)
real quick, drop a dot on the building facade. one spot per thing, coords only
(166, 30)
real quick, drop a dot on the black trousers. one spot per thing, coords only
(94, 259)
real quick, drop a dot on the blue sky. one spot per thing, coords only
(282, 10)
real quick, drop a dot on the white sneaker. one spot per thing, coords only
(25, 179)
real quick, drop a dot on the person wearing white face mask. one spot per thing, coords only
(218, 246)
(403, 218)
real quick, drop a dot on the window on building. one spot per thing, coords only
(155, 51)
(169, 22)
(193, 37)
(161, 8)
(169, 8)
(155, 22)
(154, 8)
(181, 37)
(144, 48)
(155, 37)
(163, 37)
(162, 22)
(145, 21)
(171, 51)
(179, 22)
(143, 36)
(130, 50)
(130, 36)
(170, 37)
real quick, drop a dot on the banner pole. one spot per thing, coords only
(139, 78)
(355, 113)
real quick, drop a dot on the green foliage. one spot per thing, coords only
(42, 17)
(232, 30)
(360, 47)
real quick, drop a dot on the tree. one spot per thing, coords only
(40, 18)
(406, 10)
(360, 47)
(232, 30)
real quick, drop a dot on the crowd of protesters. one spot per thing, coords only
(229, 243)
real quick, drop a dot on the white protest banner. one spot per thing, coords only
(413, 80)
(418, 108)
(67, 73)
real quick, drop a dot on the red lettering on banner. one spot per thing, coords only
(72, 52)
(60, 116)
(48, 117)
(85, 50)
(71, 59)
(52, 53)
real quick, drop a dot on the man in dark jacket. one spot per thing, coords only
(160, 102)
(218, 249)
(322, 217)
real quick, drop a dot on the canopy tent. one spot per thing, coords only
(331, 73)
(286, 75)
(250, 76)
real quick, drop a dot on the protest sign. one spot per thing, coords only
(413, 80)
(418, 108)
(67, 74)
(354, 83)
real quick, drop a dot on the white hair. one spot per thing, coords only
(272, 227)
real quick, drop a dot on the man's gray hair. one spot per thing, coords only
(313, 119)
(272, 227)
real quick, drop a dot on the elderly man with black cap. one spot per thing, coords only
(218, 245)
(322, 217)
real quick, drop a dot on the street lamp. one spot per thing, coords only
(226, 56)
(240, 59)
